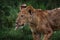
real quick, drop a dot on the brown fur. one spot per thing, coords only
(40, 21)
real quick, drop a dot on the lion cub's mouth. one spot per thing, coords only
(19, 26)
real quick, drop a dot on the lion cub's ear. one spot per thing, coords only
(30, 9)
(23, 6)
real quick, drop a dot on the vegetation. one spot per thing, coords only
(8, 13)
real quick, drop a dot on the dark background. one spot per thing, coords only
(8, 14)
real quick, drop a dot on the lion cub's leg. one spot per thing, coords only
(48, 34)
(36, 36)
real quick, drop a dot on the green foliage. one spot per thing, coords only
(8, 13)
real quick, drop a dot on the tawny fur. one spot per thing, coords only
(40, 21)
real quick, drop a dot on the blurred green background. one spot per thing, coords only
(8, 14)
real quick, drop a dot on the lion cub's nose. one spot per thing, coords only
(16, 24)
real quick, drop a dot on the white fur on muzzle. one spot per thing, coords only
(18, 27)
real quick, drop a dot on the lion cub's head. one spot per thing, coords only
(24, 16)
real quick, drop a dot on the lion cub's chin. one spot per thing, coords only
(21, 27)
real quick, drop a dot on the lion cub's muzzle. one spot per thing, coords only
(18, 26)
